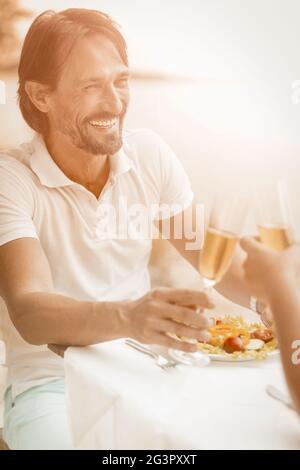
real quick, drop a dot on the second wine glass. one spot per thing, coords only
(274, 215)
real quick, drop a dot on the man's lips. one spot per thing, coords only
(104, 123)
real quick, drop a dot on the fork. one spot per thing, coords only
(160, 360)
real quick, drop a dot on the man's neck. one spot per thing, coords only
(91, 171)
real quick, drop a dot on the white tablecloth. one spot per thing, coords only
(119, 399)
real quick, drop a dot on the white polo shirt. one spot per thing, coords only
(88, 258)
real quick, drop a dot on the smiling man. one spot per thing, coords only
(66, 278)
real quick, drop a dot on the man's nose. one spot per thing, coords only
(111, 102)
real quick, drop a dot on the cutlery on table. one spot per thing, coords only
(160, 360)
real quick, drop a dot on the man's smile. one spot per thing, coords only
(105, 123)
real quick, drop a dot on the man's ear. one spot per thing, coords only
(39, 95)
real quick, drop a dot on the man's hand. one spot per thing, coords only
(172, 311)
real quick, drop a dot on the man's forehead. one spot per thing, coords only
(94, 55)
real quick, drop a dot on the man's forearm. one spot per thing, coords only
(43, 318)
(233, 285)
(234, 288)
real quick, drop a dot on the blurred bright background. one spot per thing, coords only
(213, 77)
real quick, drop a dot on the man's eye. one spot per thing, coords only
(91, 88)
(122, 82)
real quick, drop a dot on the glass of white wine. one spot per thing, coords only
(222, 233)
(224, 225)
(274, 215)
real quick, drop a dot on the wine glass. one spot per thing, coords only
(222, 233)
(274, 215)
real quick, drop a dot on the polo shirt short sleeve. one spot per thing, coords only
(166, 181)
(176, 190)
(16, 202)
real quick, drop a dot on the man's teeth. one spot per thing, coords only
(106, 123)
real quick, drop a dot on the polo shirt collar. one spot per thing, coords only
(119, 163)
(44, 166)
(52, 176)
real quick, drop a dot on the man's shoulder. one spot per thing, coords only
(16, 161)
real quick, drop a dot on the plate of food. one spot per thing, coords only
(233, 339)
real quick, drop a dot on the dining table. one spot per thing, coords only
(119, 398)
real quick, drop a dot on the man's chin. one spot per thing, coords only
(106, 145)
(109, 147)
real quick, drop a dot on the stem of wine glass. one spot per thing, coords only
(208, 283)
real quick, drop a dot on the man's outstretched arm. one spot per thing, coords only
(43, 316)
(40, 314)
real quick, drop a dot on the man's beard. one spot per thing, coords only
(82, 136)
